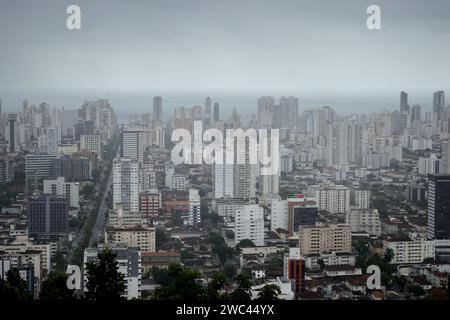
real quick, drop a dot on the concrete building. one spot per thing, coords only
(408, 250)
(438, 207)
(361, 199)
(249, 224)
(141, 237)
(194, 207)
(150, 203)
(364, 220)
(37, 168)
(126, 184)
(48, 215)
(333, 198)
(329, 259)
(60, 187)
(91, 142)
(134, 142)
(325, 238)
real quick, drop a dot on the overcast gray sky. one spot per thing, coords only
(222, 45)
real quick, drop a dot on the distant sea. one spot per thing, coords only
(127, 104)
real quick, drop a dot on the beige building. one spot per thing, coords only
(325, 238)
(91, 142)
(142, 237)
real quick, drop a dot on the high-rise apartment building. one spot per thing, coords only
(438, 207)
(157, 108)
(126, 184)
(133, 144)
(194, 207)
(249, 224)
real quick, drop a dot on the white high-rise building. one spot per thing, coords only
(279, 215)
(133, 144)
(249, 224)
(223, 179)
(52, 140)
(194, 207)
(333, 198)
(126, 184)
(60, 187)
(361, 199)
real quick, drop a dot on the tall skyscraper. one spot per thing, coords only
(445, 150)
(438, 207)
(438, 104)
(416, 113)
(404, 106)
(126, 184)
(157, 108)
(216, 114)
(133, 144)
(289, 112)
(12, 139)
(265, 112)
(48, 215)
(52, 140)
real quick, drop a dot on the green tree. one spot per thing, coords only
(245, 243)
(269, 292)
(243, 287)
(185, 285)
(55, 288)
(215, 285)
(14, 287)
(105, 282)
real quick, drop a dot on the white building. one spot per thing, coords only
(361, 199)
(174, 181)
(126, 184)
(431, 165)
(60, 187)
(333, 198)
(194, 207)
(249, 224)
(279, 214)
(407, 250)
(329, 259)
(364, 220)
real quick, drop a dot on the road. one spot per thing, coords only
(100, 223)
